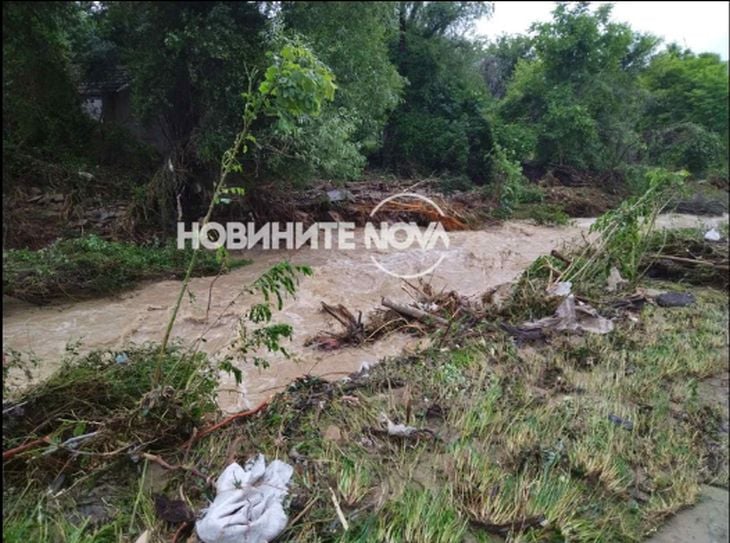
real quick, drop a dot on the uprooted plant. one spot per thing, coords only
(624, 232)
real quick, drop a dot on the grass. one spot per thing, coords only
(525, 437)
(525, 440)
(91, 266)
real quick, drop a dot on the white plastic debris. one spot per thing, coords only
(397, 430)
(400, 430)
(560, 289)
(573, 316)
(614, 280)
(248, 503)
(712, 235)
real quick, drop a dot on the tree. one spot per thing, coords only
(189, 64)
(686, 87)
(686, 118)
(41, 108)
(352, 39)
(440, 125)
(579, 93)
(500, 60)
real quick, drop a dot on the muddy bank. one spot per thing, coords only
(473, 262)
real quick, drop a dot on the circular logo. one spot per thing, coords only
(407, 237)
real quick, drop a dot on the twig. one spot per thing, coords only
(556, 254)
(158, 460)
(231, 456)
(340, 515)
(184, 527)
(448, 328)
(413, 312)
(72, 442)
(303, 511)
(225, 422)
(7, 455)
(10, 408)
(690, 261)
(210, 291)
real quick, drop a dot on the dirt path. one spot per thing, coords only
(706, 522)
(474, 261)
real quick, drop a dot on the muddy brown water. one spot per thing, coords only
(473, 262)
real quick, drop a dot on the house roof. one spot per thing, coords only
(105, 80)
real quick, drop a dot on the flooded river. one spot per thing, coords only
(473, 262)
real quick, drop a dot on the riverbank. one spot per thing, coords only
(571, 436)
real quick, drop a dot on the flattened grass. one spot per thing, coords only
(585, 438)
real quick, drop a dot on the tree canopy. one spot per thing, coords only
(414, 90)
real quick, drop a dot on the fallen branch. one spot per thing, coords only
(181, 531)
(225, 422)
(723, 267)
(414, 312)
(355, 331)
(564, 259)
(338, 509)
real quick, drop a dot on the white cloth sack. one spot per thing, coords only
(712, 235)
(248, 503)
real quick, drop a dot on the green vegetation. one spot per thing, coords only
(570, 438)
(524, 440)
(549, 214)
(107, 406)
(91, 266)
(687, 125)
(415, 95)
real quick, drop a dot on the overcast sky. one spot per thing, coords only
(701, 26)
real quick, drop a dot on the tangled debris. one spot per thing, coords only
(688, 256)
(359, 201)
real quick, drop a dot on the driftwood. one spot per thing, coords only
(354, 333)
(414, 312)
(354, 327)
(199, 435)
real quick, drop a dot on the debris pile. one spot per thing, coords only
(364, 201)
(689, 256)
